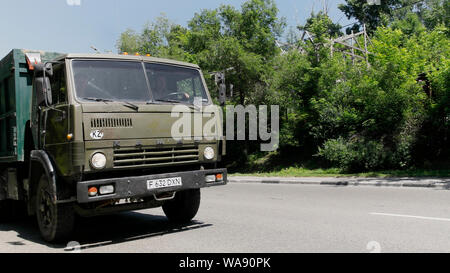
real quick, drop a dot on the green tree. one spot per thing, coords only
(152, 40)
(240, 40)
(322, 29)
(370, 14)
(383, 117)
(321, 25)
(129, 41)
(430, 12)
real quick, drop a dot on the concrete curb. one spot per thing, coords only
(406, 182)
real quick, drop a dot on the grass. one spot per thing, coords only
(290, 163)
(334, 172)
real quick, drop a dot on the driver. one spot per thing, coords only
(161, 90)
(161, 87)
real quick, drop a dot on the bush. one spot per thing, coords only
(355, 155)
(338, 153)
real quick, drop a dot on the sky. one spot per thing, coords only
(73, 26)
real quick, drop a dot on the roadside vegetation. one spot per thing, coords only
(302, 172)
(338, 116)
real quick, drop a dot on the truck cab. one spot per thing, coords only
(110, 133)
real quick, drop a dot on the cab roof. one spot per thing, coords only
(125, 57)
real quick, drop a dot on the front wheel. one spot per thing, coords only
(183, 208)
(56, 221)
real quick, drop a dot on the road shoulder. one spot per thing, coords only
(409, 182)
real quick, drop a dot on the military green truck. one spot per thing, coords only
(92, 134)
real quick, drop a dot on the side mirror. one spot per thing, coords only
(43, 90)
(39, 70)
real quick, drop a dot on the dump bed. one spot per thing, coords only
(15, 102)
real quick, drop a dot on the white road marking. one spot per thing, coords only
(411, 216)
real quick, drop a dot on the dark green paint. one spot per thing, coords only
(15, 102)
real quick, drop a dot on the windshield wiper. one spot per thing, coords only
(175, 101)
(131, 105)
(126, 103)
(97, 99)
(169, 100)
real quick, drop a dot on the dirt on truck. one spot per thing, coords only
(93, 134)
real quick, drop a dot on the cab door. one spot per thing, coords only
(57, 121)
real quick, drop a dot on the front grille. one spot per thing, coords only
(152, 157)
(111, 123)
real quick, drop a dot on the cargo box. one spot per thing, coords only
(15, 101)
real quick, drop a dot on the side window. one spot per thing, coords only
(198, 87)
(59, 87)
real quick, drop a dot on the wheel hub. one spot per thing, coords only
(45, 209)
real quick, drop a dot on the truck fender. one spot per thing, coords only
(42, 158)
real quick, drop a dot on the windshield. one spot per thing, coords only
(125, 81)
(175, 83)
(116, 81)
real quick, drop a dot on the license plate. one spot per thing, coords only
(164, 183)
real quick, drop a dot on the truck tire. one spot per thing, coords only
(183, 208)
(56, 221)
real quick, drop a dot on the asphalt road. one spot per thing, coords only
(258, 218)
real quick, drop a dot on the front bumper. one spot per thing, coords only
(136, 187)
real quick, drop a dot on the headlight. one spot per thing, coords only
(209, 153)
(98, 161)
